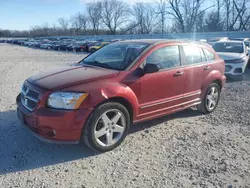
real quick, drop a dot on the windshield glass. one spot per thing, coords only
(116, 56)
(228, 47)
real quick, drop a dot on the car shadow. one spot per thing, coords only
(20, 150)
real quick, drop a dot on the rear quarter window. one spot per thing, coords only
(209, 55)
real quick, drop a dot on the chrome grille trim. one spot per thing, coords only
(29, 98)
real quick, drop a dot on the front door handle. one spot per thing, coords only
(206, 68)
(178, 73)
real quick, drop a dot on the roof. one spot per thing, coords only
(159, 41)
(156, 41)
(148, 41)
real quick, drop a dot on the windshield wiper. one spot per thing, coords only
(98, 64)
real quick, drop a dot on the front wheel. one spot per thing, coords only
(106, 127)
(211, 99)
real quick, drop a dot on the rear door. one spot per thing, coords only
(196, 71)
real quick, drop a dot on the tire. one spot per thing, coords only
(248, 64)
(204, 106)
(96, 132)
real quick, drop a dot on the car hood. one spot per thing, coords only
(230, 56)
(63, 77)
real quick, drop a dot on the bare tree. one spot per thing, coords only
(243, 13)
(138, 13)
(144, 15)
(161, 11)
(76, 24)
(95, 15)
(187, 12)
(237, 14)
(114, 14)
(213, 22)
(174, 9)
(64, 23)
(228, 11)
(83, 21)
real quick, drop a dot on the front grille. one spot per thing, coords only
(29, 98)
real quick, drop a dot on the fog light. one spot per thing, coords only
(238, 70)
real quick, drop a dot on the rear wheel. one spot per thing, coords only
(211, 99)
(106, 127)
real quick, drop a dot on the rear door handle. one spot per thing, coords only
(178, 73)
(207, 68)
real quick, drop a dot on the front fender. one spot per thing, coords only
(123, 91)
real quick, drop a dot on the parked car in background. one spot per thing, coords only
(60, 46)
(236, 56)
(71, 46)
(122, 83)
(81, 47)
(97, 46)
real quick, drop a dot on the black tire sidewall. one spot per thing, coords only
(89, 126)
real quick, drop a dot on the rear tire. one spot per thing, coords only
(211, 99)
(107, 127)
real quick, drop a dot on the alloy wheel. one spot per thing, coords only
(110, 128)
(212, 98)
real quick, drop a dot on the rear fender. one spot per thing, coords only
(213, 75)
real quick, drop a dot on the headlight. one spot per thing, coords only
(66, 100)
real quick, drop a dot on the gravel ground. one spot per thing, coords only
(186, 149)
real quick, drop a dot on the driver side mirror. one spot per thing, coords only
(150, 68)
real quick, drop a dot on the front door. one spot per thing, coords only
(162, 91)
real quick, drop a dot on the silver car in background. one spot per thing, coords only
(236, 57)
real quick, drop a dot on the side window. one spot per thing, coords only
(193, 55)
(209, 55)
(166, 57)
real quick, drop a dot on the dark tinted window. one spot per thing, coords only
(209, 55)
(166, 57)
(193, 54)
(230, 47)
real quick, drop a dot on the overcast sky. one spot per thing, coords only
(22, 14)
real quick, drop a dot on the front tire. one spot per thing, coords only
(211, 99)
(106, 127)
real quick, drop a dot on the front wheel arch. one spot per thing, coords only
(121, 101)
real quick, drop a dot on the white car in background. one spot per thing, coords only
(235, 55)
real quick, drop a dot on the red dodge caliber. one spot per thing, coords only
(125, 82)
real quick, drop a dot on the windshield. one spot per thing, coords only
(117, 56)
(228, 47)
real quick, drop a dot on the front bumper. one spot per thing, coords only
(235, 69)
(53, 126)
